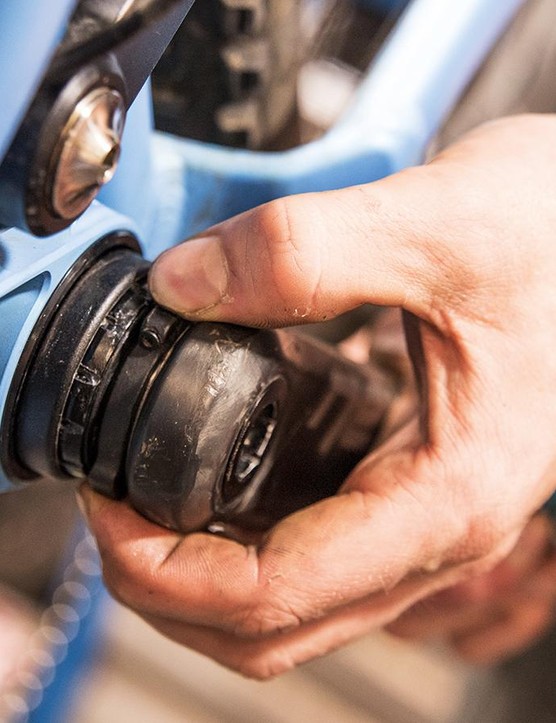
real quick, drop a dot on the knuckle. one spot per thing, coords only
(127, 585)
(481, 538)
(118, 588)
(481, 545)
(292, 258)
(264, 665)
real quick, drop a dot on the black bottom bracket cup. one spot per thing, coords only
(198, 424)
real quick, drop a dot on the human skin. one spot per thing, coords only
(465, 245)
(497, 614)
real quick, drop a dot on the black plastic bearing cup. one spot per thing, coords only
(197, 424)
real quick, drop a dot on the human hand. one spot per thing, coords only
(498, 614)
(465, 245)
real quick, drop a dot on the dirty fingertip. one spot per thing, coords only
(192, 278)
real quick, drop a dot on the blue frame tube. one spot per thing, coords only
(425, 65)
(31, 30)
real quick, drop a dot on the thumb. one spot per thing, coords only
(311, 257)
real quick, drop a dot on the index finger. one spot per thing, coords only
(388, 523)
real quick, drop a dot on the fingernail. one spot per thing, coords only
(191, 278)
